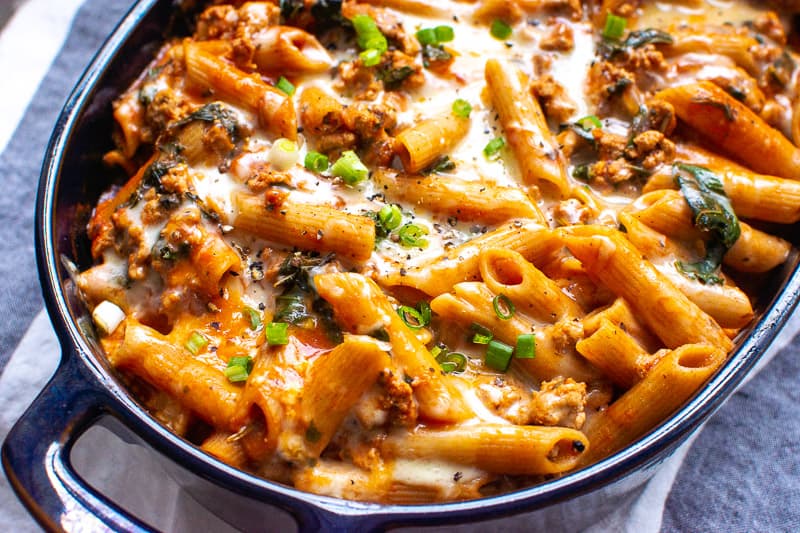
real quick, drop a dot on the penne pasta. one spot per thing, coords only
(308, 227)
(473, 200)
(733, 127)
(525, 127)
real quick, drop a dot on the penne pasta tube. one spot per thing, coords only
(472, 303)
(752, 195)
(289, 51)
(729, 306)
(670, 383)
(223, 446)
(612, 259)
(332, 387)
(472, 200)
(527, 237)
(526, 128)
(615, 353)
(274, 108)
(171, 367)
(420, 145)
(361, 307)
(739, 48)
(620, 314)
(667, 212)
(507, 272)
(497, 448)
(734, 128)
(309, 227)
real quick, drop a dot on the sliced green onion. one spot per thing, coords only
(481, 334)
(371, 57)
(390, 217)
(498, 355)
(316, 162)
(285, 86)
(425, 312)
(615, 26)
(444, 34)
(196, 342)
(350, 168)
(255, 317)
(589, 122)
(503, 307)
(493, 147)
(277, 333)
(107, 317)
(411, 236)
(436, 350)
(462, 108)
(526, 346)
(413, 318)
(500, 30)
(239, 369)
(236, 374)
(283, 154)
(368, 36)
(427, 36)
(452, 361)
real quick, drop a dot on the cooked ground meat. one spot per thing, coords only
(559, 402)
(556, 103)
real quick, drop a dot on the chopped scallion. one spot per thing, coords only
(196, 342)
(526, 346)
(412, 236)
(481, 334)
(493, 147)
(350, 168)
(283, 154)
(371, 57)
(285, 85)
(415, 318)
(254, 316)
(390, 217)
(410, 317)
(427, 36)
(462, 108)
(316, 162)
(368, 36)
(277, 333)
(500, 30)
(452, 361)
(498, 355)
(239, 369)
(589, 122)
(444, 34)
(615, 26)
(503, 307)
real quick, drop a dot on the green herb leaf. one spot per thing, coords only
(713, 215)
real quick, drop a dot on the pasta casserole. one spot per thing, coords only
(404, 251)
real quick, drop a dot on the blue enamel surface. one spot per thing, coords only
(34, 454)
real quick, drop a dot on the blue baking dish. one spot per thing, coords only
(84, 389)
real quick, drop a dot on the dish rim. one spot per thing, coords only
(646, 452)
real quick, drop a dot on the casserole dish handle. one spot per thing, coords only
(37, 449)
